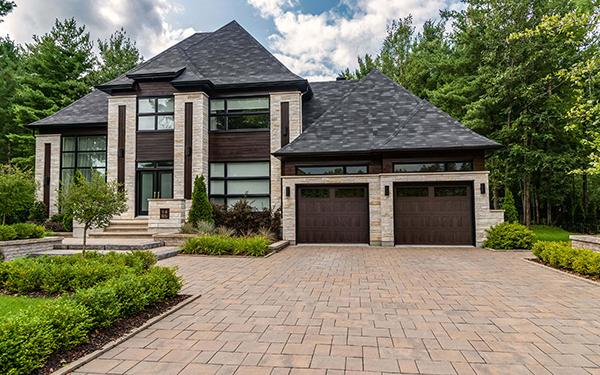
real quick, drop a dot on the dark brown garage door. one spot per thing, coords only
(332, 214)
(440, 214)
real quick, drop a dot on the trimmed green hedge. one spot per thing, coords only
(28, 338)
(55, 275)
(21, 231)
(509, 236)
(216, 244)
(562, 255)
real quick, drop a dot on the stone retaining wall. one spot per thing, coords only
(585, 242)
(10, 250)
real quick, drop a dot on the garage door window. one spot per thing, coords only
(447, 191)
(314, 193)
(433, 167)
(350, 193)
(412, 191)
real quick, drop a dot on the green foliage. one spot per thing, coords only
(242, 219)
(511, 215)
(38, 213)
(509, 236)
(10, 305)
(93, 202)
(118, 54)
(227, 245)
(17, 194)
(562, 255)
(60, 223)
(6, 7)
(202, 227)
(7, 233)
(201, 209)
(56, 275)
(27, 230)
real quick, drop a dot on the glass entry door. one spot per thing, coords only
(153, 184)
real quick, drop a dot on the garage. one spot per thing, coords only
(433, 214)
(332, 214)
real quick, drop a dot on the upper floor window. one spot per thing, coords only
(155, 113)
(239, 113)
(335, 169)
(455, 166)
(84, 154)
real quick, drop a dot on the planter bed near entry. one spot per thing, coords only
(560, 255)
(217, 244)
(89, 300)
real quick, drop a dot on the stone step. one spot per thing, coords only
(121, 235)
(126, 228)
(129, 222)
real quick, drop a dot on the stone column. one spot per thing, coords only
(40, 141)
(130, 103)
(295, 100)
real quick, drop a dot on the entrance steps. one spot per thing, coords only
(126, 229)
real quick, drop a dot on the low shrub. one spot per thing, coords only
(243, 219)
(27, 230)
(562, 255)
(509, 236)
(7, 233)
(38, 212)
(217, 244)
(201, 227)
(56, 275)
(60, 223)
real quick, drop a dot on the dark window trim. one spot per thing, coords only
(155, 114)
(225, 196)
(227, 115)
(76, 152)
(444, 162)
(344, 166)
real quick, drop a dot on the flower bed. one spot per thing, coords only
(93, 291)
(562, 256)
(218, 244)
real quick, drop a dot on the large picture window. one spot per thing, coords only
(332, 169)
(457, 166)
(155, 114)
(239, 114)
(84, 154)
(232, 181)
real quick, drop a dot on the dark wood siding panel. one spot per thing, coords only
(154, 146)
(121, 145)
(239, 146)
(47, 163)
(153, 88)
(74, 130)
(285, 123)
(187, 167)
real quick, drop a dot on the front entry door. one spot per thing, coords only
(153, 184)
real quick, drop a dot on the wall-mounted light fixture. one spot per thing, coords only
(482, 188)
(387, 190)
(287, 191)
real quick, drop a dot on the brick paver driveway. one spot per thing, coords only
(346, 310)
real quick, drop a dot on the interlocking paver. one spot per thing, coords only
(352, 310)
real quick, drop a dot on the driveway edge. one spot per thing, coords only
(90, 357)
(528, 260)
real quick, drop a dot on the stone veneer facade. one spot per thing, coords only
(381, 207)
(54, 141)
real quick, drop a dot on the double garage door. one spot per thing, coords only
(432, 214)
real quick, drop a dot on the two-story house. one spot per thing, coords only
(360, 161)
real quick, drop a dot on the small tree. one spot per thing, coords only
(92, 202)
(511, 215)
(201, 209)
(17, 193)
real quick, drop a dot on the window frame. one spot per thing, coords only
(76, 153)
(226, 114)
(343, 166)
(444, 163)
(225, 196)
(154, 114)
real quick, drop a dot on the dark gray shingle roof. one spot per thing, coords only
(376, 114)
(91, 109)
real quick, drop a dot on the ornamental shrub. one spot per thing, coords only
(38, 212)
(27, 230)
(244, 220)
(218, 244)
(509, 236)
(562, 255)
(511, 214)
(7, 233)
(201, 209)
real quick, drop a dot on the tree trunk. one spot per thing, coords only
(85, 228)
(585, 192)
(537, 207)
(526, 201)
(548, 214)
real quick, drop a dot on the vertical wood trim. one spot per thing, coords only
(187, 161)
(121, 146)
(285, 123)
(47, 164)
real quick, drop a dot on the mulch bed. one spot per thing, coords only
(101, 337)
(592, 278)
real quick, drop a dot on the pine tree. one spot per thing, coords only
(201, 209)
(511, 214)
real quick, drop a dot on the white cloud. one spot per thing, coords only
(322, 45)
(144, 20)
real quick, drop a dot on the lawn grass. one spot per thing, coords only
(10, 305)
(548, 233)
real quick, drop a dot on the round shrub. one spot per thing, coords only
(509, 236)
(27, 230)
(7, 233)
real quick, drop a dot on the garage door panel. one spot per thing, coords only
(436, 214)
(332, 214)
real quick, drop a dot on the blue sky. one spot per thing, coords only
(314, 38)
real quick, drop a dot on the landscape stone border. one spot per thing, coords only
(13, 249)
(585, 242)
(532, 261)
(90, 357)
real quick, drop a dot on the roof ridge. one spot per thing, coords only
(211, 33)
(403, 124)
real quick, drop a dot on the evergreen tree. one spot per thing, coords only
(118, 54)
(511, 215)
(201, 209)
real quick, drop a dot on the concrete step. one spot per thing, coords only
(126, 228)
(129, 222)
(121, 235)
